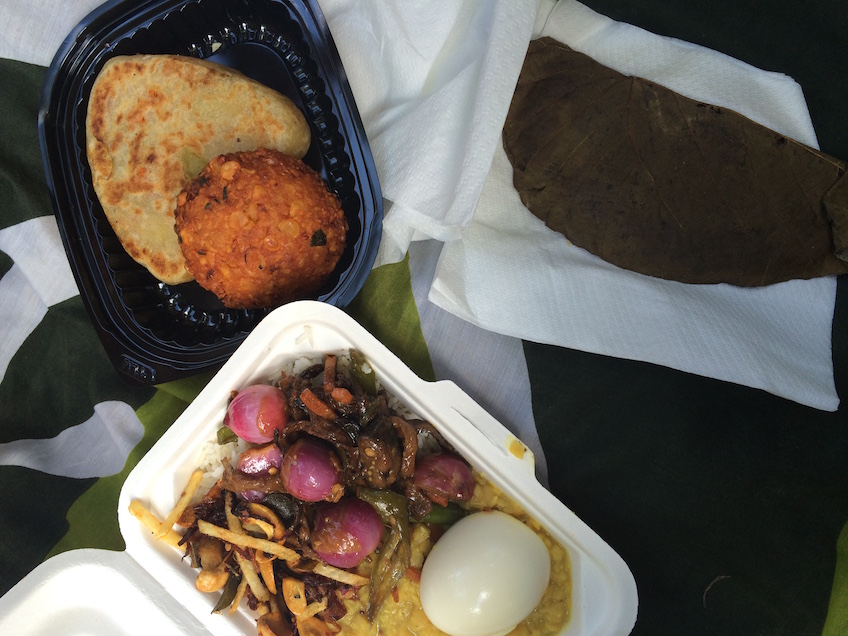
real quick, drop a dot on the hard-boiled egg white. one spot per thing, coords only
(484, 575)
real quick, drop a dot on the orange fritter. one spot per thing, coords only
(259, 228)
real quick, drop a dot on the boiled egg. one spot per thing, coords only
(484, 575)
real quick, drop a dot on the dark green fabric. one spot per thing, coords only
(55, 379)
(33, 506)
(187, 388)
(22, 196)
(5, 263)
(837, 615)
(60, 372)
(692, 480)
(92, 517)
(726, 502)
(386, 308)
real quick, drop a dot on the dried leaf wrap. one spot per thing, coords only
(660, 184)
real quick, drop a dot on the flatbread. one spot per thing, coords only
(663, 185)
(154, 122)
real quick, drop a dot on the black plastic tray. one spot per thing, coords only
(155, 332)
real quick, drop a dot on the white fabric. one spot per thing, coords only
(33, 31)
(36, 247)
(39, 278)
(98, 447)
(511, 274)
(489, 366)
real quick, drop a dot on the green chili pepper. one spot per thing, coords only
(363, 373)
(228, 594)
(318, 238)
(226, 435)
(395, 553)
(387, 503)
(444, 515)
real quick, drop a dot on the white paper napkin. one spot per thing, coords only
(433, 82)
(511, 274)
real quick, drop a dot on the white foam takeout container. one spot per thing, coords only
(147, 589)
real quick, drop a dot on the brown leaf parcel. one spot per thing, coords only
(657, 183)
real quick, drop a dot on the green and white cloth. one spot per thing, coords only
(727, 502)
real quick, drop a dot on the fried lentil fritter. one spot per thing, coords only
(259, 228)
(153, 121)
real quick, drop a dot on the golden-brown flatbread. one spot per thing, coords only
(153, 122)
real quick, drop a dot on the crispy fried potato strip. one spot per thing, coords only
(152, 523)
(181, 505)
(313, 608)
(233, 522)
(342, 576)
(279, 550)
(253, 579)
(247, 541)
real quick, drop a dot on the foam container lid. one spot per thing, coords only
(148, 587)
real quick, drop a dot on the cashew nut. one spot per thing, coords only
(212, 580)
